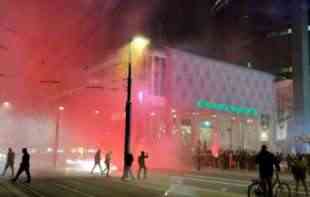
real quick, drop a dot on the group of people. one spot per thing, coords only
(129, 159)
(225, 159)
(24, 165)
(266, 162)
(107, 162)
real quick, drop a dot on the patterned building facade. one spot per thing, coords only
(202, 100)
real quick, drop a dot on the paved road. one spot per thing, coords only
(230, 182)
(202, 184)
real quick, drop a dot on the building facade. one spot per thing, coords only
(196, 100)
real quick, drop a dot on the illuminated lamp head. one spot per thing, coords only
(61, 108)
(206, 124)
(140, 42)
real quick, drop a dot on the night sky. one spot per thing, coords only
(237, 33)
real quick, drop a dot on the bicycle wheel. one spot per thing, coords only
(255, 190)
(282, 190)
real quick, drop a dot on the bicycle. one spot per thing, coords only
(279, 188)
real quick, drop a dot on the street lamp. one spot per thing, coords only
(60, 109)
(139, 43)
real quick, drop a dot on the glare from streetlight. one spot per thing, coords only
(250, 121)
(264, 136)
(141, 96)
(140, 42)
(6, 104)
(61, 108)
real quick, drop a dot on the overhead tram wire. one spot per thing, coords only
(57, 82)
(79, 45)
(85, 85)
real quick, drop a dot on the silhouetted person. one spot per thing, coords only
(198, 155)
(142, 166)
(24, 166)
(107, 161)
(128, 164)
(10, 160)
(266, 161)
(299, 170)
(97, 160)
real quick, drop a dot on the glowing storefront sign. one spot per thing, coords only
(204, 104)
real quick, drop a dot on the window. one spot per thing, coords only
(159, 72)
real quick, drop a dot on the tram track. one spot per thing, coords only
(28, 189)
(94, 189)
(5, 189)
(72, 189)
(10, 190)
(108, 186)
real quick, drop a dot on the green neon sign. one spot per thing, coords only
(204, 104)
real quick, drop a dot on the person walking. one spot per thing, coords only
(10, 160)
(128, 164)
(266, 161)
(107, 161)
(97, 162)
(299, 171)
(198, 155)
(24, 166)
(142, 166)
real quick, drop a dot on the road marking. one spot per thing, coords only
(220, 179)
(216, 181)
(230, 194)
(30, 188)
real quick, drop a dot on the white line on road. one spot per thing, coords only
(219, 178)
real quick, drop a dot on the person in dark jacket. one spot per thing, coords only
(97, 162)
(142, 166)
(24, 166)
(10, 160)
(107, 161)
(128, 164)
(266, 162)
(299, 170)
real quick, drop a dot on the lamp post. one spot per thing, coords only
(141, 43)
(56, 146)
